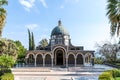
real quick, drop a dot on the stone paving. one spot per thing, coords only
(57, 73)
(57, 78)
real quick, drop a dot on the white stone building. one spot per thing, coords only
(60, 51)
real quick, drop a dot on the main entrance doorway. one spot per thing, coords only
(59, 57)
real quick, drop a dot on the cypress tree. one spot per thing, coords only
(33, 43)
(30, 40)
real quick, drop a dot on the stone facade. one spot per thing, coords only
(60, 51)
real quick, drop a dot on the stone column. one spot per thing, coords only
(35, 61)
(75, 62)
(52, 61)
(66, 62)
(83, 60)
(43, 61)
(26, 60)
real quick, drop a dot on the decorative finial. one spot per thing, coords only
(59, 23)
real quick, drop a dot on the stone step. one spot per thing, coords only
(30, 70)
(56, 73)
(58, 69)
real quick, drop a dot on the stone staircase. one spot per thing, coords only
(58, 73)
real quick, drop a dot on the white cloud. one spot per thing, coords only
(31, 26)
(30, 4)
(44, 3)
(27, 4)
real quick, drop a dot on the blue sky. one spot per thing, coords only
(85, 20)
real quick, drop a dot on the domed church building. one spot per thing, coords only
(60, 51)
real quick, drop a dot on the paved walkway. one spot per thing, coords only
(57, 73)
(57, 78)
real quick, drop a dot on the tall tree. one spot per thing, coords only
(109, 50)
(33, 43)
(43, 43)
(113, 13)
(30, 39)
(2, 14)
(21, 50)
(8, 47)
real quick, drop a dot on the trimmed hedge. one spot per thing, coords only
(7, 76)
(106, 76)
(110, 75)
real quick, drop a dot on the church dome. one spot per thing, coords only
(59, 30)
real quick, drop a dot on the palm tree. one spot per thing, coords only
(2, 15)
(113, 13)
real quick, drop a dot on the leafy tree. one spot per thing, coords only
(109, 51)
(2, 14)
(113, 13)
(21, 51)
(8, 47)
(6, 61)
(42, 43)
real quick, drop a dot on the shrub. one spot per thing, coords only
(4, 70)
(6, 61)
(0, 72)
(7, 76)
(110, 75)
(116, 73)
(117, 78)
(98, 61)
(118, 64)
(106, 76)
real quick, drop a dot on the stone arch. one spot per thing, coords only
(48, 59)
(72, 54)
(88, 57)
(79, 59)
(59, 47)
(31, 59)
(30, 54)
(71, 59)
(59, 55)
(39, 59)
